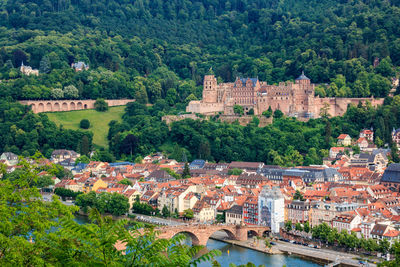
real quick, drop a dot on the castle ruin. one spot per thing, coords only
(293, 99)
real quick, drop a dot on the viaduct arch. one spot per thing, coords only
(201, 233)
(39, 106)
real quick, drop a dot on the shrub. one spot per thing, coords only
(101, 105)
(84, 124)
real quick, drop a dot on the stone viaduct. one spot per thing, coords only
(68, 105)
(201, 233)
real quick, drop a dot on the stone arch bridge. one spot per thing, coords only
(201, 233)
(68, 105)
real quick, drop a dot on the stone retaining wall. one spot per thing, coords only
(68, 105)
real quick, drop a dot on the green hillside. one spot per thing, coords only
(98, 121)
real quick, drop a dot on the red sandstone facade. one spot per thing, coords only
(293, 99)
(68, 105)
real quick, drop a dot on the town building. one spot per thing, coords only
(344, 140)
(325, 212)
(347, 222)
(271, 206)
(391, 177)
(27, 70)
(367, 134)
(79, 66)
(362, 143)
(383, 231)
(250, 211)
(203, 212)
(234, 215)
(298, 211)
(9, 158)
(396, 137)
(292, 98)
(64, 157)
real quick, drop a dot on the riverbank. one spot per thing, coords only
(257, 245)
(319, 256)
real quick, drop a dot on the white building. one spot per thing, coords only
(271, 208)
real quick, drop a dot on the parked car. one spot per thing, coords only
(273, 243)
(292, 242)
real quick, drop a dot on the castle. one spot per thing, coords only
(27, 70)
(293, 99)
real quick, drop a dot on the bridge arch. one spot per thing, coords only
(79, 105)
(195, 239)
(64, 106)
(252, 232)
(230, 234)
(72, 106)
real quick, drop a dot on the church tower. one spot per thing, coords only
(210, 88)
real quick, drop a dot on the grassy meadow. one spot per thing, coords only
(98, 121)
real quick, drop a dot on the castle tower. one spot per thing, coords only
(303, 79)
(210, 88)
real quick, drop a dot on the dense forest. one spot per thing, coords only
(161, 49)
(158, 52)
(23, 132)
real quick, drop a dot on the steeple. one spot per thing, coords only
(302, 77)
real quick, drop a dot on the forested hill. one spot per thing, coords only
(146, 48)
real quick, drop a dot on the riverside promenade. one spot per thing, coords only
(322, 256)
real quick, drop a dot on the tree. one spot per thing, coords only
(278, 114)
(44, 181)
(384, 246)
(165, 212)
(395, 250)
(57, 93)
(129, 144)
(118, 205)
(19, 219)
(71, 92)
(235, 171)
(288, 226)
(307, 227)
(378, 142)
(66, 193)
(84, 145)
(84, 124)
(138, 159)
(82, 159)
(298, 227)
(97, 245)
(125, 182)
(171, 96)
(45, 65)
(238, 110)
(186, 171)
(140, 90)
(188, 214)
(101, 105)
(268, 113)
(298, 196)
(251, 112)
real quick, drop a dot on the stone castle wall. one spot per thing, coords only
(39, 106)
(293, 99)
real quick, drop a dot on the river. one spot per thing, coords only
(239, 255)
